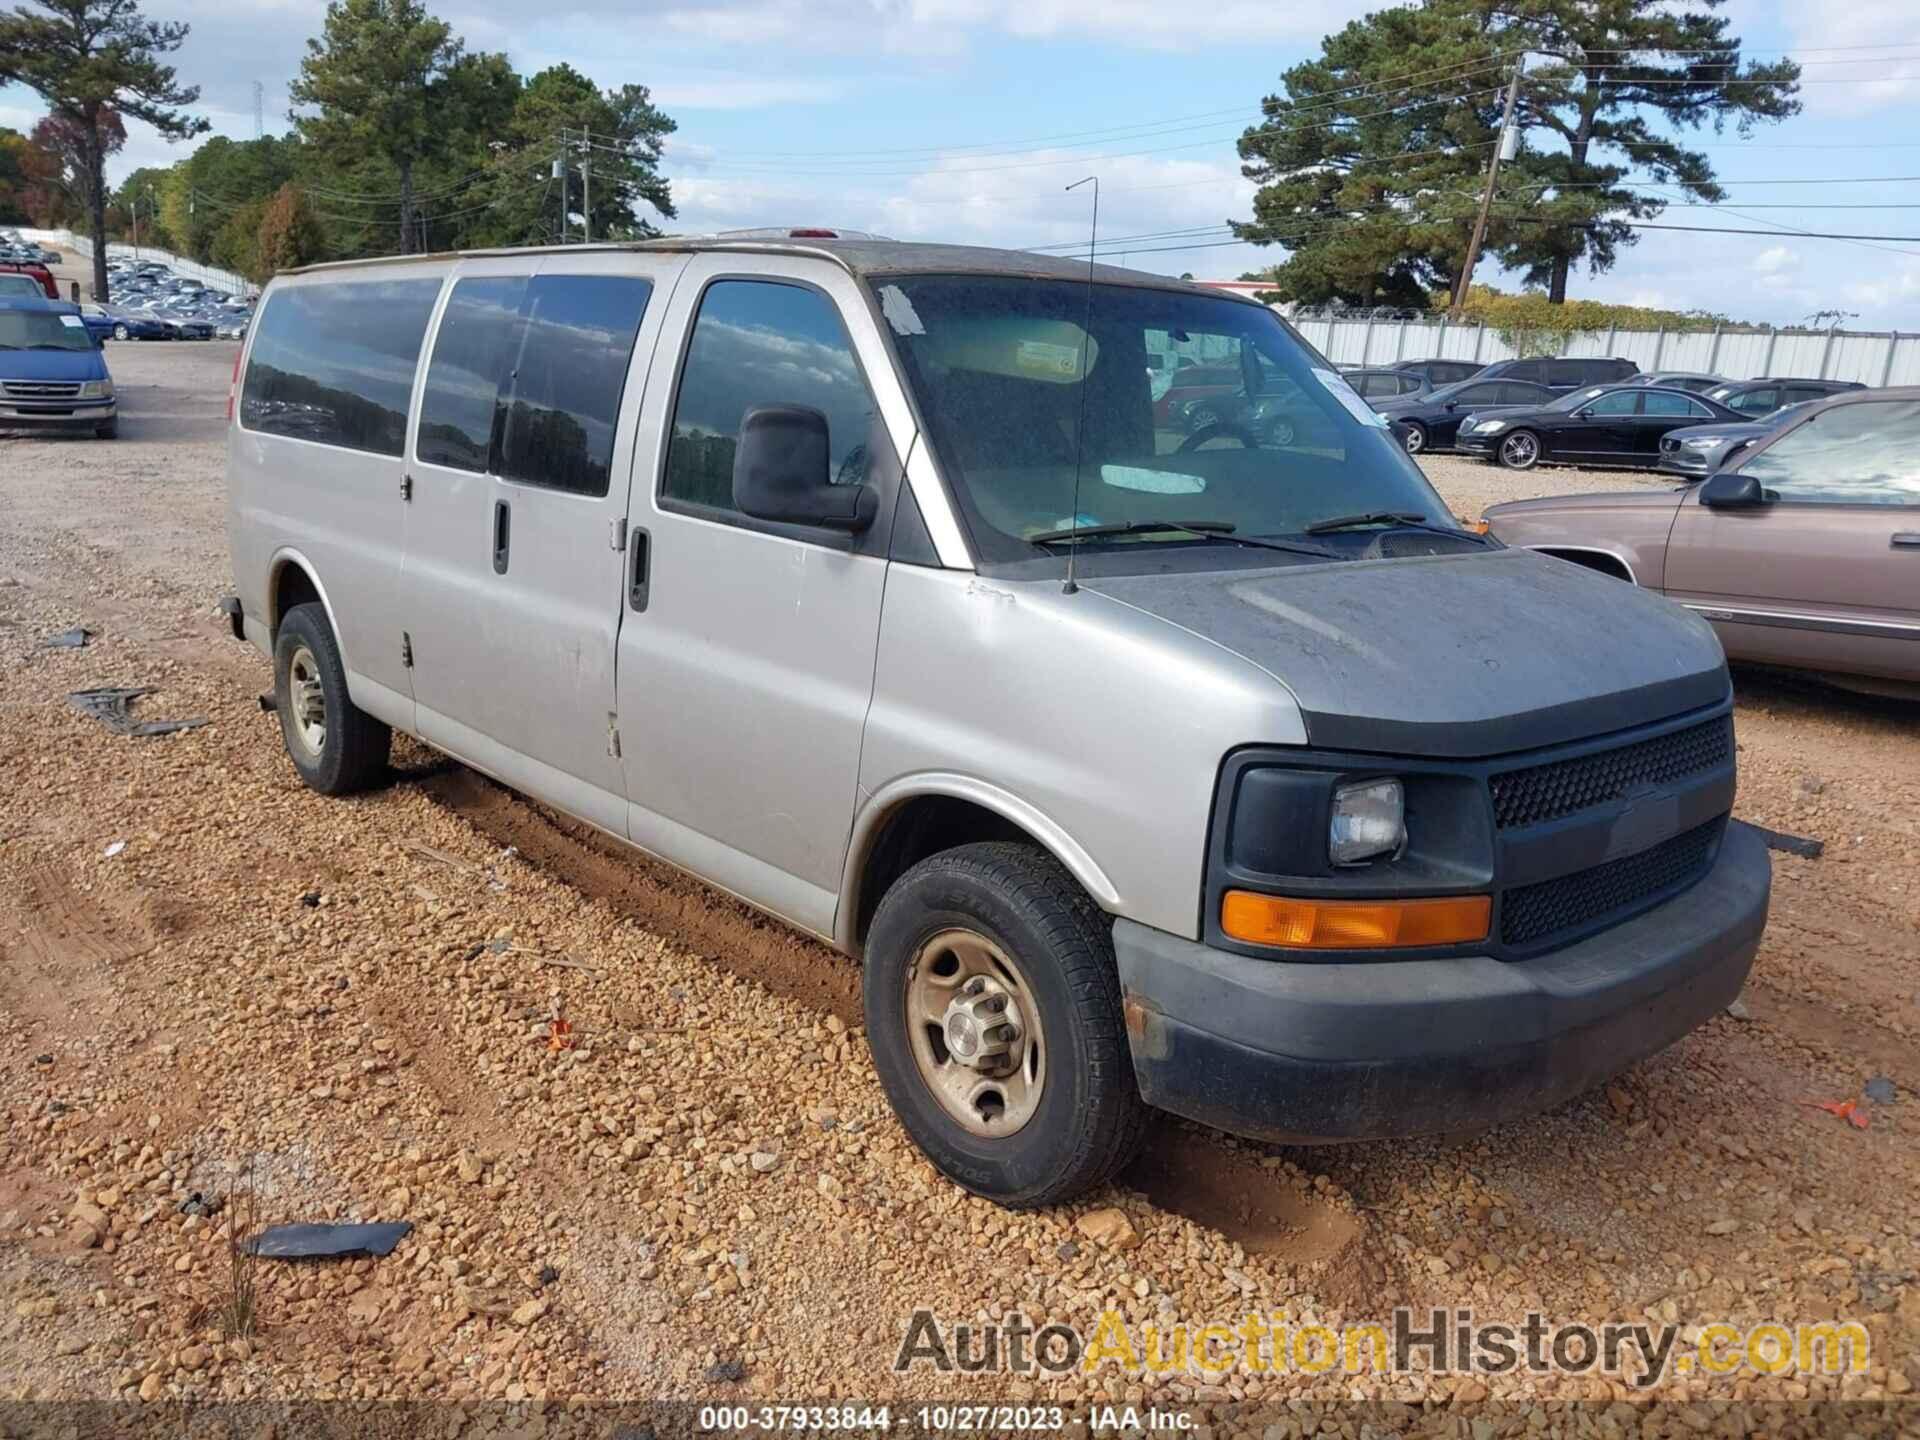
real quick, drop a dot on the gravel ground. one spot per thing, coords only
(212, 979)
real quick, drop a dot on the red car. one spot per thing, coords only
(1193, 383)
(39, 273)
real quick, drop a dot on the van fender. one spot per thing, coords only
(872, 817)
(287, 555)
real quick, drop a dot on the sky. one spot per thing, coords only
(964, 121)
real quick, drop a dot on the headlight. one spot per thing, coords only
(97, 390)
(1487, 427)
(1700, 443)
(1369, 820)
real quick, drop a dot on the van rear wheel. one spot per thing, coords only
(993, 1009)
(335, 746)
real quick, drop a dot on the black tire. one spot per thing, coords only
(1090, 1119)
(1415, 438)
(120, 332)
(1515, 455)
(353, 754)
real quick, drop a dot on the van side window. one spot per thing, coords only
(334, 362)
(760, 342)
(470, 353)
(560, 402)
(526, 377)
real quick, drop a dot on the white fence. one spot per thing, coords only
(81, 247)
(1873, 358)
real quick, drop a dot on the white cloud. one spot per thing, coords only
(1774, 260)
(1861, 84)
(935, 26)
(683, 89)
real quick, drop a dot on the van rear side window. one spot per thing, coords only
(527, 375)
(334, 363)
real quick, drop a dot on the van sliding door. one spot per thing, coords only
(522, 461)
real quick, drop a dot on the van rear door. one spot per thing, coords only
(521, 461)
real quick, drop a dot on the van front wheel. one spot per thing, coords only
(993, 1010)
(336, 746)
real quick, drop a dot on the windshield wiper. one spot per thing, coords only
(1398, 519)
(1199, 529)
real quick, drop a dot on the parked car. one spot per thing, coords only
(1180, 406)
(1375, 383)
(34, 270)
(1679, 380)
(53, 374)
(1802, 551)
(1754, 398)
(1440, 372)
(20, 287)
(1697, 450)
(1610, 425)
(1562, 374)
(132, 324)
(1139, 840)
(1431, 421)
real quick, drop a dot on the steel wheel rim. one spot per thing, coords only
(1416, 440)
(119, 332)
(1519, 449)
(307, 701)
(1281, 433)
(962, 992)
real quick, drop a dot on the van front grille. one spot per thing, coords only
(40, 389)
(1531, 914)
(1565, 787)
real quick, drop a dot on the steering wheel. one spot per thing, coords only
(1218, 430)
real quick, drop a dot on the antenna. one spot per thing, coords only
(1086, 337)
(259, 110)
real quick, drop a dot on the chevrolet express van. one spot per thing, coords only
(1216, 770)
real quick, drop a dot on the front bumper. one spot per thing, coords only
(1325, 1050)
(1690, 463)
(1481, 445)
(65, 418)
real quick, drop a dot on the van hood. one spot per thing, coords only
(1448, 656)
(52, 365)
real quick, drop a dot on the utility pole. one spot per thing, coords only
(586, 197)
(1502, 151)
(560, 174)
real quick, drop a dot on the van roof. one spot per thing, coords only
(861, 257)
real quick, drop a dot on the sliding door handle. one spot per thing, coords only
(638, 578)
(502, 535)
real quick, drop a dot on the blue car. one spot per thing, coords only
(53, 376)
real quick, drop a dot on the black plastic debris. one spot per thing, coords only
(201, 1205)
(74, 639)
(304, 1242)
(267, 702)
(1792, 844)
(548, 1275)
(727, 1372)
(311, 899)
(113, 708)
(1880, 1090)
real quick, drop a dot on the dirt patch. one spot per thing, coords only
(721, 930)
(1232, 1192)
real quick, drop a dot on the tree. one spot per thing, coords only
(618, 133)
(13, 177)
(1367, 162)
(372, 80)
(1610, 67)
(138, 199)
(1371, 165)
(289, 235)
(87, 59)
(56, 160)
(219, 180)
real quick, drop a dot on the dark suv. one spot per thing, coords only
(1562, 374)
(1754, 398)
(1436, 373)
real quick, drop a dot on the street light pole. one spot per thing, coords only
(1502, 151)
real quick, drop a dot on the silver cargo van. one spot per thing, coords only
(1142, 764)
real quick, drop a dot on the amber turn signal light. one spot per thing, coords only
(1353, 924)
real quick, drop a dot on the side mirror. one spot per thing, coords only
(1733, 491)
(780, 472)
(1452, 405)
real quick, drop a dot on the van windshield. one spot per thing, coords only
(42, 330)
(1193, 410)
